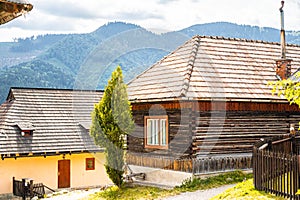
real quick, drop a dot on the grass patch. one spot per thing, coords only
(128, 192)
(132, 193)
(245, 190)
(213, 181)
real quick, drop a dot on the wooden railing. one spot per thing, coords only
(197, 166)
(26, 188)
(276, 166)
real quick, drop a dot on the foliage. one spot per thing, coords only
(32, 43)
(288, 88)
(111, 122)
(33, 74)
(214, 181)
(245, 190)
(70, 52)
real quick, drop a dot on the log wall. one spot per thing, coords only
(180, 130)
(214, 128)
(236, 132)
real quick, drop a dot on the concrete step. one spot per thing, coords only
(160, 177)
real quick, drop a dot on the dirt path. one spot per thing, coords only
(200, 194)
(74, 195)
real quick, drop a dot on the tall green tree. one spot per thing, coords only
(111, 123)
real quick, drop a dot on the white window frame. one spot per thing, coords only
(156, 132)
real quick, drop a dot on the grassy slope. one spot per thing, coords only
(245, 190)
(141, 192)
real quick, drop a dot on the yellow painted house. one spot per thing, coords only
(44, 136)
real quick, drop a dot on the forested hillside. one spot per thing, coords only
(85, 61)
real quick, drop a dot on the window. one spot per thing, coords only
(90, 163)
(26, 129)
(26, 133)
(156, 132)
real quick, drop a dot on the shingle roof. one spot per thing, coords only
(55, 115)
(213, 67)
(17, 1)
(11, 9)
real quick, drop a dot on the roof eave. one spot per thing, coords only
(266, 100)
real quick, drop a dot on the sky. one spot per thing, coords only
(78, 16)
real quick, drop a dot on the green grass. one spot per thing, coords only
(213, 181)
(128, 192)
(132, 193)
(245, 191)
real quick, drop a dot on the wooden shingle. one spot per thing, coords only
(214, 67)
(58, 118)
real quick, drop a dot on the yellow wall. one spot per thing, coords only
(44, 170)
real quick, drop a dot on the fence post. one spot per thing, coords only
(24, 189)
(193, 167)
(14, 186)
(270, 145)
(31, 189)
(293, 144)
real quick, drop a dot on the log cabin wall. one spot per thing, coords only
(233, 127)
(238, 131)
(180, 128)
(230, 128)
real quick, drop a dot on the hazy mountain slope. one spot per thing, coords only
(231, 30)
(36, 73)
(85, 61)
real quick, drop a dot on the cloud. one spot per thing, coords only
(138, 15)
(165, 1)
(79, 16)
(40, 21)
(65, 8)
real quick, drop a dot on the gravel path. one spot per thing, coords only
(200, 194)
(73, 195)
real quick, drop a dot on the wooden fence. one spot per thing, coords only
(26, 188)
(276, 167)
(18, 188)
(197, 166)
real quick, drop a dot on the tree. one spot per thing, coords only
(288, 88)
(111, 122)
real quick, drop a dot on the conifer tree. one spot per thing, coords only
(111, 122)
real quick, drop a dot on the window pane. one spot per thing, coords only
(153, 132)
(163, 132)
(149, 128)
(90, 163)
(156, 132)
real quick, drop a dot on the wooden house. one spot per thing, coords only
(44, 136)
(209, 98)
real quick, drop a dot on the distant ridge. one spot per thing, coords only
(85, 61)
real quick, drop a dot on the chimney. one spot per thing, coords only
(283, 70)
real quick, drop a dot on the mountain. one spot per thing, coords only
(85, 61)
(231, 30)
